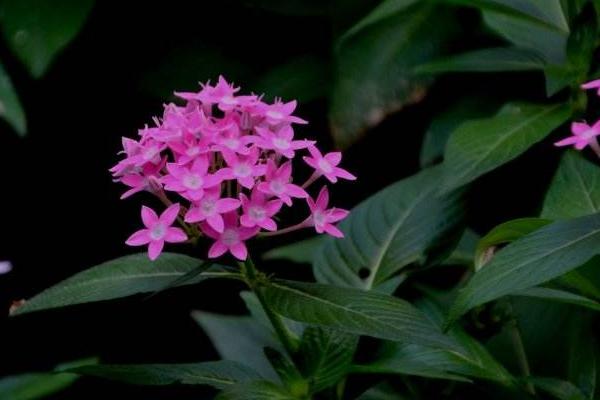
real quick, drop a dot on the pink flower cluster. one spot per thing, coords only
(223, 165)
(584, 135)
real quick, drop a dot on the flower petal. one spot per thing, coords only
(149, 217)
(170, 214)
(139, 238)
(155, 248)
(175, 235)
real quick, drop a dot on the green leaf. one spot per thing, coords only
(558, 295)
(354, 311)
(386, 9)
(582, 365)
(505, 233)
(557, 388)
(383, 392)
(373, 68)
(534, 259)
(219, 374)
(256, 390)
(10, 107)
(304, 78)
(300, 252)
(37, 30)
(449, 119)
(397, 226)
(479, 146)
(120, 277)
(486, 60)
(326, 355)
(464, 252)
(287, 371)
(34, 385)
(247, 348)
(575, 189)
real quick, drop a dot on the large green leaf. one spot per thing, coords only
(575, 189)
(395, 227)
(486, 60)
(303, 251)
(560, 296)
(373, 68)
(10, 107)
(37, 30)
(534, 259)
(448, 119)
(479, 146)
(505, 233)
(225, 333)
(559, 389)
(219, 374)
(120, 277)
(354, 311)
(303, 78)
(256, 390)
(582, 365)
(326, 355)
(34, 385)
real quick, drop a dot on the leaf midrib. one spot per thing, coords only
(510, 133)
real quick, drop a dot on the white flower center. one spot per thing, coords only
(230, 237)
(590, 133)
(150, 152)
(276, 186)
(192, 151)
(257, 213)
(229, 100)
(158, 231)
(232, 143)
(274, 114)
(281, 143)
(208, 206)
(242, 170)
(325, 166)
(319, 218)
(193, 181)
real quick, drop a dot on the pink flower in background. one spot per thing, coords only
(592, 85)
(323, 218)
(210, 208)
(231, 239)
(229, 160)
(158, 231)
(583, 135)
(258, 211)
(327, 165)
(277, 183)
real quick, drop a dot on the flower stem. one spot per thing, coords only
(594, 145)
(287, 338)
(310, 180)
(301, 225)
(519, 348)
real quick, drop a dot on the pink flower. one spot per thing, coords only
(323, 218)
(189, 148)
(258, 211)
(243, 168)
(279, 112)
(158, 231)
(148, 179)
(327, 165)
(210, 208)
(592, 85)
(583, 135)
(231, 239)
(282, 141)
(231, 139)
(277, 183)
(190, 182)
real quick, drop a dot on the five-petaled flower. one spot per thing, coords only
(323, 218)
(158, 230)
(583, 135)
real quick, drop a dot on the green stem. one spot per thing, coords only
(519, 348)
(287, 338)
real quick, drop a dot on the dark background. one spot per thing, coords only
(60, 212)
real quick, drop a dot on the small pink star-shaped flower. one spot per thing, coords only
(583, 135)
(231, 239)
(258, 211)
(189, 148)
(158, 231)
(243, 168)
(277, 183)
(210, 209)
(279, 112)
(322, 218)
(281, 141)
(148, 179)
(327, 165)
(592, 85)
(190, 182)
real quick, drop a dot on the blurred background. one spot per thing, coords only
(76, 76)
